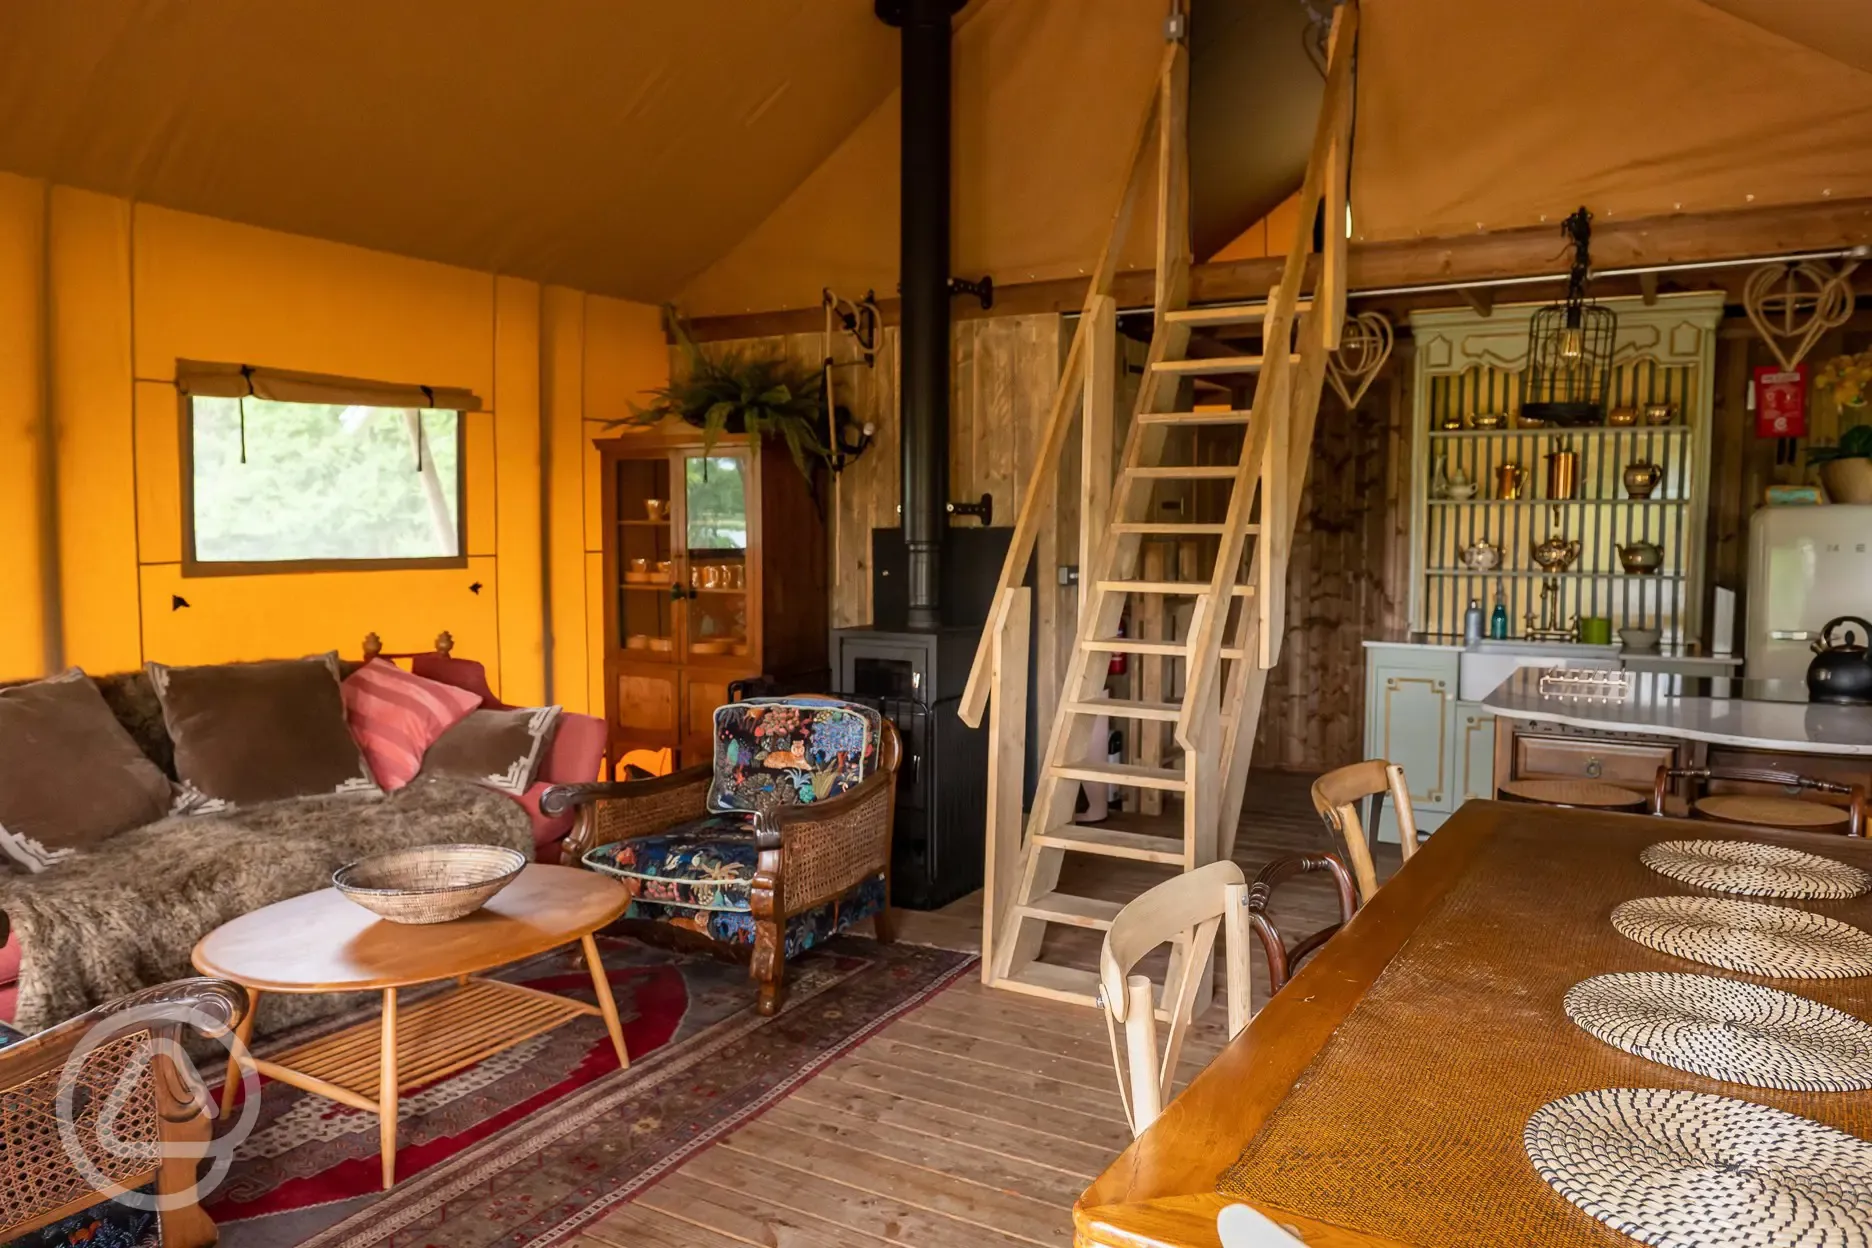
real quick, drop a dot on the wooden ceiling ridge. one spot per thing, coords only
(1528, 252)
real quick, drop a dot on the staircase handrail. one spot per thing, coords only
(1209, 619)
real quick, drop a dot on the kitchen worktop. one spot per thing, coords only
(1766, 715)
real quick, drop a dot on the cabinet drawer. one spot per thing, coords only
(1570, 758)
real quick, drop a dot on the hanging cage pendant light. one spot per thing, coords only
(1569, 371)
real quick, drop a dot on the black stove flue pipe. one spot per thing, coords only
(923, 274)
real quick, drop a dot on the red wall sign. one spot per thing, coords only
(1780, 401)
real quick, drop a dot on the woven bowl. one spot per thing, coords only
(430, 883)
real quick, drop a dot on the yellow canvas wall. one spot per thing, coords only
(126, 289)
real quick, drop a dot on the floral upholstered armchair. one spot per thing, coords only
(779, 842)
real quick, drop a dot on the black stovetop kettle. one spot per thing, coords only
(1841, 672)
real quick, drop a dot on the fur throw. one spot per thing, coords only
(127, 914)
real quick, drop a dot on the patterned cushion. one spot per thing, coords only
(799, 749)
(705, 864)
(803, 931)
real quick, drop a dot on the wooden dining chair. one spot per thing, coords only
(1781, 809)
(1284, 959)
(1187, 910)
(1336, 796)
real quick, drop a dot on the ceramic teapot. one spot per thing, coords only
(1480, 556)
(1556, 553)
(1641, 557)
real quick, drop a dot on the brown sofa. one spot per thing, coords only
(126, 915)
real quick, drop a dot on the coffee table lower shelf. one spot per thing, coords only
(369, 1065)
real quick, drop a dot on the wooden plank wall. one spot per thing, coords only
(1348, 578)
(1005, 371)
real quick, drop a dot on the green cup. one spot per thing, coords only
(1595, 630)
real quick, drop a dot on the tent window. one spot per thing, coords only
(273, 486)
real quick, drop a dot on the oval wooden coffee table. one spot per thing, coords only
(322, 942)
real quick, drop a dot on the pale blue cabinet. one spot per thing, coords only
(1411, 719)
(1475, 753)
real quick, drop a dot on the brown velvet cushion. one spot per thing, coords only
(70, 776)
(501, 749)
(258, 732)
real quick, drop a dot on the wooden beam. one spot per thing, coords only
(1647, 286)
(1681, 238)
(1481, 298)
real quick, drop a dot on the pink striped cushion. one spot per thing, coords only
(395, 717)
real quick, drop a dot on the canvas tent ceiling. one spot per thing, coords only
(740, 154)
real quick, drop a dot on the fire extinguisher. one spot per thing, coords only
(1119, 662)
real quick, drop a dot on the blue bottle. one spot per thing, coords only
(1498, 619)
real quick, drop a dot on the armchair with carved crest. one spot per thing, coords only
(779, 842)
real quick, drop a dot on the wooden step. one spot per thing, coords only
(1073, 910)
(1215, 365)
(1124, 708)
(1130, 775)
(1237, 417)
(1114, 843)
(1056, 983)
(1183, 472)
(1065, 983)
(1175, 589)
(1166, 528)
(1134, 645)
(1227, 313)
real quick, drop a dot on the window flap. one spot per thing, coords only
(230, 381)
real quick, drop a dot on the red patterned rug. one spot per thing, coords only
(528, 1147)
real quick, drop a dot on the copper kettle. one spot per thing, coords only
(1841, 672)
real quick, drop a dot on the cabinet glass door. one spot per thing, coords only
(647, 559)
(715, 544)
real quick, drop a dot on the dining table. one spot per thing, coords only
(1380, 1097)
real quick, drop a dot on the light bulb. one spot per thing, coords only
(1572, 344)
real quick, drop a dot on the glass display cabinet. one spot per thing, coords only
(715, 570)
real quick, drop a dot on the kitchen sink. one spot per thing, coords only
(1484, 666)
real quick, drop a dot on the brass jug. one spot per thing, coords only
(1509, 478)
(1562, 471)
(1641, 478)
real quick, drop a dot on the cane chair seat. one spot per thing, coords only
(1585, 794)
(1773, 812)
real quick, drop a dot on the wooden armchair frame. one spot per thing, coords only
(164, 1108)
(1855, 794)
(809, 854)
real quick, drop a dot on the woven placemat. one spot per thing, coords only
(1755, 869)
(1727, 1029)
(1694, 1171)
(1776, 941)
(1408, 1122)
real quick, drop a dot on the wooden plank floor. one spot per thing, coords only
(974, 1120)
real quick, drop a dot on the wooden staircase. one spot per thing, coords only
(1195, 604)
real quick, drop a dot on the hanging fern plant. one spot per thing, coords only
(735, 390)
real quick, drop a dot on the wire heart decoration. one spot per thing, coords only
(1795, 304)
(1364, 346)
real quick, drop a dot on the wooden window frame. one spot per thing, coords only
(193, 567)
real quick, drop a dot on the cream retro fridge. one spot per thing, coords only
(1807, 565)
